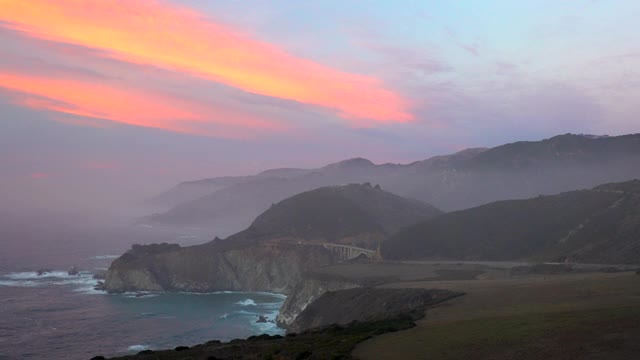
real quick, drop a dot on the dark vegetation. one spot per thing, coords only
(341, 211)
(355, 214)
(598, 226)
(332, 342)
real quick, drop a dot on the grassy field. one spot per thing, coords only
(592, 316)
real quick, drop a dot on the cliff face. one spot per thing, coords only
(304, 293)
(367, 305)
(259, 267)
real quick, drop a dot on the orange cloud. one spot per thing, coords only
(155, 33)
(128, 106)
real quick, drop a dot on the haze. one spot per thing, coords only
(104, 106)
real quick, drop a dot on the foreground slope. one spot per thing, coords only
(578, 316)
(452, 182)
(601, 225)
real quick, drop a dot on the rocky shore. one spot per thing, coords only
(329, 328)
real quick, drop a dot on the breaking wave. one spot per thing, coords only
(246, 302)
(138, 347)
(104, 257)
(83, 282)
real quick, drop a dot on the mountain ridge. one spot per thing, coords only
(461, 180)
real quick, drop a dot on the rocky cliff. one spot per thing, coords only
(214, 267)
(367, 305)
(306, 292)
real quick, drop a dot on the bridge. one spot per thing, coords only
(348, 252)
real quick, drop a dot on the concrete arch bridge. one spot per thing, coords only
(348, 252)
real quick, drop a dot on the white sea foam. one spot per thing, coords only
(138, 347)
(269, 327)
(18, 283)
(83, 281)
(103, 257)
(246, 302)
(32, 275)
(90, 290)
(141, 294)
(243, 312)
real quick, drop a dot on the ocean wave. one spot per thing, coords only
(32, 275)
(140, 294)
(18, 283)
(271, 305)
(138, 347)
(83, 281)
(104, 257)
(207, 293)
(246, 302)
(90, 290)
(244, 312)
(269, 327)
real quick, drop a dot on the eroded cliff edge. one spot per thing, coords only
(213, 267)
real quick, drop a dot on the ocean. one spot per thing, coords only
(61, 316)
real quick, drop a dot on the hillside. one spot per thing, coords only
(339, 212)
(191, 190)
(601, 225)
(452, 182)
(280, 246)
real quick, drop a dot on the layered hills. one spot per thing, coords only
(452, 182)
(601, 225)
(279, 247)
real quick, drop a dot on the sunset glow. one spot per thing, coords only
(167, 36)
(132, 107)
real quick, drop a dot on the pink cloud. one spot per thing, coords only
(39, 175)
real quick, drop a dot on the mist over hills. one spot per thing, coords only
(465, 179)
(601, 225)
(277, 249)
(340, 214)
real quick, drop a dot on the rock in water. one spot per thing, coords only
(41, 272)
(73, 271)
(100, 275)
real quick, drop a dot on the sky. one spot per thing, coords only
(103, 102)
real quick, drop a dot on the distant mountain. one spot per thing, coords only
(354, 213)
(191, 190)
(601, 225)
(468, 178)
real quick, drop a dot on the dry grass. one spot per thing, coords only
(561, 316)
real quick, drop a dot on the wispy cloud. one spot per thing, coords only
(129, 106)
(154, 33)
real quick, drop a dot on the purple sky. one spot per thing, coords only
(108, 101)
